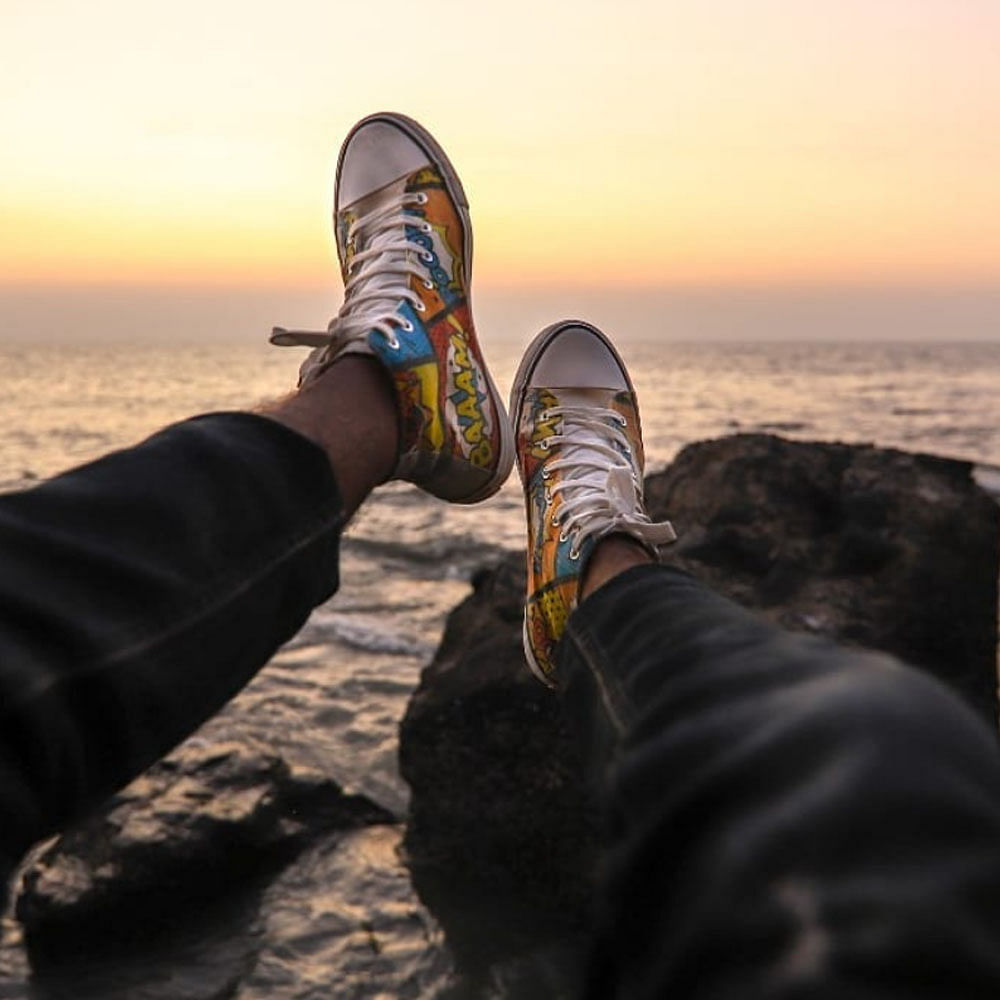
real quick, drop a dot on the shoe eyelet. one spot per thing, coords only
(422, 198)
(573, 554)
(428, 284)
(545, 473)
(427, 256)
(407, 326)
(623, 421)
(563, 537)
(544, 444)
(421, 307)
(425, 227)
(393, 344)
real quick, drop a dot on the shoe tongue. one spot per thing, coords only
(582, 438)
(583, 397)
(363, 206)
(388, 276)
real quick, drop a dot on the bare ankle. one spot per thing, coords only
(350, 412)
(611, 556)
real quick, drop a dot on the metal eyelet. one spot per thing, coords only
(573, 554)
(548, 499)
(544, 444)
(393, 344)
(427, 256)
(623, 421)
(420, 307)
(407, 326)
(428, 284)
(545, 473)
(426, 227)
(422, 198)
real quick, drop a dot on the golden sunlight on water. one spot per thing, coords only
(62, 405)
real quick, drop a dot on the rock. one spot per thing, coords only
(500, 834)
(365, 934)
(871, 546)
(202, 824)
(341, 920)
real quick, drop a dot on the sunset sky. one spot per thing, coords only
(654, 144)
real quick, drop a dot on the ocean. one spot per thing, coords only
(332, 698)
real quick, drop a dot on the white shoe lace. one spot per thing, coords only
(378, 278)
(603, 492)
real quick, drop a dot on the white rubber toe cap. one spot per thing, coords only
(578, 357)
(376, 154)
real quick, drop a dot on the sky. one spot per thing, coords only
(714, 150)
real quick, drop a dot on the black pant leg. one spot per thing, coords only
(138, 594)
(787, 818)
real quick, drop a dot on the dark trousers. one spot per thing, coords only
(786, 818)
(138, 594)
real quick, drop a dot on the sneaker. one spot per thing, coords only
(404, 240)
(579, 452)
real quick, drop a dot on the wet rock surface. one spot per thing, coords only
(224, 872)
(873, 547)
(207, 817)
(341, 920)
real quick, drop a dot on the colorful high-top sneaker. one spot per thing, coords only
(404, 240)
(579, 452)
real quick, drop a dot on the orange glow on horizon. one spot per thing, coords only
(654, 144)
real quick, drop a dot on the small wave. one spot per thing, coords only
(969, 432)
(988, 478)
(368, 634)
(434, 557)
(783, 425)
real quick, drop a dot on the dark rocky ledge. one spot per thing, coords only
(874, 547)
(205, 820)
(500, 836)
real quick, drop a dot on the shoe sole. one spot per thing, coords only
(415, 131)
(517, 393)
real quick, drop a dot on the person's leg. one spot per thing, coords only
(139, 593)
(786, 818)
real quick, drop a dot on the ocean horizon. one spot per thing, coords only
(847, 312)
